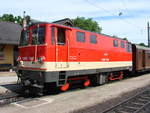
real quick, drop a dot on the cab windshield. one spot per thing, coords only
(38, 35)
(24, 38)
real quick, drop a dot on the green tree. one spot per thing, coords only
(125, 39)
(142, 44)
(115, 36)
(7, 17)
(11, 18)
(87, 24)
(15, 19)
(28, 19)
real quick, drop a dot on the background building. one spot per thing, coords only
(66, 21)
(9, 41)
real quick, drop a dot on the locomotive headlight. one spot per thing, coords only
(20, 62)
(41, 59)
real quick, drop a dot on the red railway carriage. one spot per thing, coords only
(59, 55)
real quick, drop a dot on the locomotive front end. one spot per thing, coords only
(32, 57)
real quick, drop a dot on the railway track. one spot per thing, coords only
(139, 103)
(8, 98)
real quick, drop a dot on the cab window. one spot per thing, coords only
(24, 38)
(38, 35)
(53, 35)
(61, 36)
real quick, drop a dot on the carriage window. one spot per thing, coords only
(38, 35)
(61, 36)
(122, 44)
(93, 39)
(24, 38)
(115, 43)
(80, 36)
(148, 53)
(53, 35)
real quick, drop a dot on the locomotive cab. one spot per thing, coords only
(33, 39)
(32, 56)
(43, 48)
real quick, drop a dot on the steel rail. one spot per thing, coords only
(134, 104)
(8, 98)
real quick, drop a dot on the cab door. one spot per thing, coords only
(62, 47)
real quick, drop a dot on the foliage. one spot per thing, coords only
(12, 18)
(28, 19)
(142, 44)
(114, 36)
(87, 24)
(125, 39)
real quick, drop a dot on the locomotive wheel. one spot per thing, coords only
(65, 87)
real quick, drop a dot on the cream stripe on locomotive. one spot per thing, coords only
(65, 66)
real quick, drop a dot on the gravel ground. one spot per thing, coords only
(72, 101)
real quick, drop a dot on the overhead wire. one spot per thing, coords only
(100, 8)
(125, 7)
(107, 11)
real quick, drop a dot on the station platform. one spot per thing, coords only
(8, 82)
(7, 73)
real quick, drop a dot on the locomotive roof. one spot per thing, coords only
(9, 33)
(76, 28)
(89, 31)
(93, 32)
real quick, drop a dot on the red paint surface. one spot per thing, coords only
(74, 51)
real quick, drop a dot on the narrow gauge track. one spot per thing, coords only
(139, 103)
(8, 98)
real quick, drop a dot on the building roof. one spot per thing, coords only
(9, 33)
(66, 21)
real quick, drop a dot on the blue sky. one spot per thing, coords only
(131, 23)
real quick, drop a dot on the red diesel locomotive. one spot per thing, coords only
(53, 55)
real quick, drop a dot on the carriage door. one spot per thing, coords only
(62, 47)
